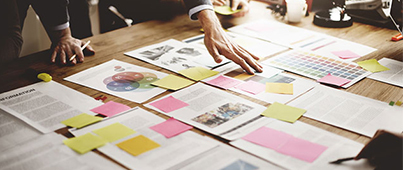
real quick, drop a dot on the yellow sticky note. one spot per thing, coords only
(372, 65)
(114, 132)
(172, 82)
(243, 76)
(399, 103)
(283, 112)
(280, 88)
(138, 145)
(225, 10)
(84, 143)
(81, 120)
(198, 73)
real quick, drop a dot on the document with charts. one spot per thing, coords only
(257, 47)
(174, 55)
(210, 109)
(334, 147)
(393, 76)
(299, 38)
(350, 111)
(269, 75)
(171, 152)
(121, 79)
(44, 105)
(48, 152)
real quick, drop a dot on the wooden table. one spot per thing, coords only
(113, 44)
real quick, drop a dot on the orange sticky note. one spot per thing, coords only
(138, 145)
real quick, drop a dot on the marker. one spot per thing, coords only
(82, 48)
(339, 161)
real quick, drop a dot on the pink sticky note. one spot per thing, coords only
(224, 82)
(111, 108)
(346, 54)
(302, 149)
(169, 104)
(171, 128)
(268, 137)
(251, 87)
(329, 79)
(259, 27)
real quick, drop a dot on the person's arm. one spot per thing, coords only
(216, 40)
(10, 32)
(385, 151)
(235, 4)
(55, 19)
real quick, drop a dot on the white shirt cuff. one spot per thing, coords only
(60, 27)
(197, 9)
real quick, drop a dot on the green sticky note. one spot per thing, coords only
(84, 143)
(391, 103)
(114, 132)
(283, 112)
(225, 10)
(81, 120)
(138, 145)
(372, 65)
(172, 82)
(198, 73)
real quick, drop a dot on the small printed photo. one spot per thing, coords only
(156, 53)
(222, 114)
(240, 165)
(189, 51)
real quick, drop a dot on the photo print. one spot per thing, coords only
(155, 53)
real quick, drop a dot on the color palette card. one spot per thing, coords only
(315, 66)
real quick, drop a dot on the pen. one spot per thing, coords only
(82, 48)
(339, 161)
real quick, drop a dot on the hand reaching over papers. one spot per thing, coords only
(219, 44)
(384, 150)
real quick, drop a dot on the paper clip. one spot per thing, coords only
(101, 97)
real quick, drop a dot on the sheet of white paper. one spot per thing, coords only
(171, 152)
(393, 76)
(174, 55)
(300, 38)
(257, 47)
(121, 79)
(48, 152)
(350, 111)
(213, 110)
(44, 105)
(226, 157)
(271, 75)
(14, 131)
(338, 147)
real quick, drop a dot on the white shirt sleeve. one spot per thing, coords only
(193, 11)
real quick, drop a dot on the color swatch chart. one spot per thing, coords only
(316, 66)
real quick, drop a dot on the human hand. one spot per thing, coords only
(384, 150)
(219, 44)
(240, 4)
(65, 46)
(235, 4)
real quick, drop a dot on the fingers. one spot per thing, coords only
(54, 55)
(219, 2)
(79, 54)
(235, 4)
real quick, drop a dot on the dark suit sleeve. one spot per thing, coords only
(195, 6)
(10, 31)
(53, 13)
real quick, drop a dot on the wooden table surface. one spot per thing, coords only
(113, 44)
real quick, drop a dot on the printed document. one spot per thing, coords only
(48, 153)
(171, 151)
(212, 110)
(337, 147)
(393, 76)
(44, 105)
(121, 79)
(350, 111)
